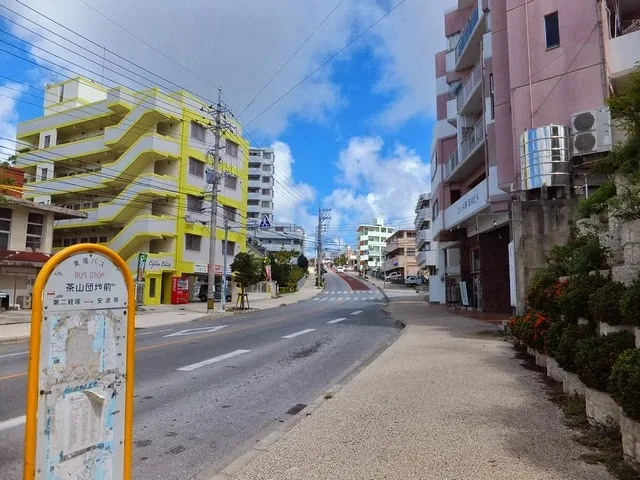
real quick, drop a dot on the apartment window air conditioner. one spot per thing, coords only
(591, 131)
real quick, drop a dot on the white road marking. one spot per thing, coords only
(194, 331)
(340, 298)
(13, 354)
(301, 332)
(316, 299)
(337, 320)
(14, 422)
(220, 358)
(157, 331)
(357, 312)
(372, 298)
(356, 298)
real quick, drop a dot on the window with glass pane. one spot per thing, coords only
(266, 179)
(5, 227)
(266, 168)
(35, 225)
(229, 213)
(232, 148)
(231, 248)
(267, 155)
(266, 191)
(266, 203)
(195, 204)
(196, 167)
(198, 132)
(192, 242)
(231, 182)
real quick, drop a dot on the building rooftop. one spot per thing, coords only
(60, 213)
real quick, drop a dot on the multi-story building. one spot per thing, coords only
(261, 185)
(426, 248)
(26, 237)
(520, 106)
(136, 163)
(400, 253)
(371, 243)
(279, 236)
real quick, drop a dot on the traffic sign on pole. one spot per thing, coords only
(80, 385)
(265, 223)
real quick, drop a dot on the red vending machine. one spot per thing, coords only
(179, 290)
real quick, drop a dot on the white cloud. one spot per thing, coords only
(376, 183)
(9, 95)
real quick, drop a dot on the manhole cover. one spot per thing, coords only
(296, 409)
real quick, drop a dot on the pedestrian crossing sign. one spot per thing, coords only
(265, 223)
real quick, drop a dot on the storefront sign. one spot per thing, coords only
(159, 264)
(464, 295)
(200, 268)
(80, 390)
(267, 269)
(512, 273)
(469, 204)
(218, 270)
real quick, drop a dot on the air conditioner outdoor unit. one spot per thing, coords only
(591, 131)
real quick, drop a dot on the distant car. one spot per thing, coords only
(413, 280)
(340, 269)
(217, 294)
(395, 276)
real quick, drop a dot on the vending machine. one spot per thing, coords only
(179, 290)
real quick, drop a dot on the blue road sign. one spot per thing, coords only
(265, 223)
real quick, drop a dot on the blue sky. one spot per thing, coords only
(355, 137)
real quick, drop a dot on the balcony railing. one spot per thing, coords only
(470, 84)
(467, 31)
(451, 164)
(472, 139)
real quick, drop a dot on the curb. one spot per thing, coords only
(398, 323)
(263, 445)
(13, 340)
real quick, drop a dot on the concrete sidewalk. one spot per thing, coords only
(160, 315)
(447, 400)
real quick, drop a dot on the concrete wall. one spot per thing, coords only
(538, 226)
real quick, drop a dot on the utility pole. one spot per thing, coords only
(322, 216)
(213, 179)
(223, 298)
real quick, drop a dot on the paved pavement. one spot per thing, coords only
(447, 400)
(206, 388)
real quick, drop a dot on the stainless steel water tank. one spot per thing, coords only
(545, 157)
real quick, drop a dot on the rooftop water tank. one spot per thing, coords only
(545, 157)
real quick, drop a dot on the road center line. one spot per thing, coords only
(13, 354)
(157, 331)
(357, 312)
(337, 320)
(14, 422)
(301, 332)
(209, 361)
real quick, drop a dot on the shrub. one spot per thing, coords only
(624, 383)
(531, 329)
(629, 304)
(554, 335)
(597, 201)
(574, 300)
(538, 294)
(604, 303)
(581, 255)
(565, 350)
(596, 356)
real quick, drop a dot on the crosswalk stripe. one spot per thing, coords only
(337, 320)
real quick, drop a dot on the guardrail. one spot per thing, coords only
(467, 31)
(472, 81)
(472, 139)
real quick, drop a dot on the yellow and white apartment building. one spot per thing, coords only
(136, 163)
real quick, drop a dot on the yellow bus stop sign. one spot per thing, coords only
(80, 386)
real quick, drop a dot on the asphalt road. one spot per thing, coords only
(192, 408)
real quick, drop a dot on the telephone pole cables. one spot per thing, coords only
(323, 215)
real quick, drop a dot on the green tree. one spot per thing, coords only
(303, 262)
(247, 270)
(341, 260)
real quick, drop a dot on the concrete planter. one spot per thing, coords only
(572, 385)
(601, 408)
(606, 329)
(554, 370)
(541, 359)
(630, 431)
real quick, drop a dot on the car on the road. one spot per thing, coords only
(413, 280)
(341, 269)
(217, 294)
(394, 276)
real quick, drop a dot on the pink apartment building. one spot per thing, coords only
(521, 111)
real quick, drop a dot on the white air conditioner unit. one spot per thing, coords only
(591, 131)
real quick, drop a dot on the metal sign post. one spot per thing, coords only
(80, 387)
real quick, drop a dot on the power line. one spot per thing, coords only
(290, 57)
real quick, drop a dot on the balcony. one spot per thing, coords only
(254, 195)
(77, 150)
(452, 112)
(468, 205)
(468, 47)
(427, 257)
(469, 99)
(623, 53)
(390, 247)
(423, 236)
(470, 156)
(393, 263)
(423, 214)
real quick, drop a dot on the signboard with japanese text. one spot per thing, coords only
(79, 407)
(464, 294)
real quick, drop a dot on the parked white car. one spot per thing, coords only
(393, 276)
(341, 269)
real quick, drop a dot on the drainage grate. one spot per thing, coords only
(296, 409)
